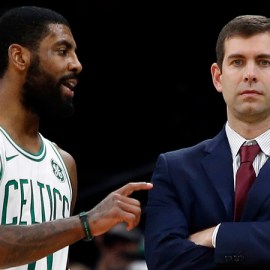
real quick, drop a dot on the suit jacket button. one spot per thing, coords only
(238, 258)
(241, 258)
(228, 258)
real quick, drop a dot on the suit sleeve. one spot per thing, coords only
(166, 229)
(243, 243)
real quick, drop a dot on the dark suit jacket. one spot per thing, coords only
(193, 190)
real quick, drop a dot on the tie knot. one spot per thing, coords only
(249, 152)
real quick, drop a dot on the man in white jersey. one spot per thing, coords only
(38, 181)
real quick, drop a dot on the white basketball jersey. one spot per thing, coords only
(34, 188)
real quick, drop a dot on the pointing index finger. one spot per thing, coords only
(129, 188)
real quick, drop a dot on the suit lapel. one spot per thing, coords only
(258, 194)
(218, 166)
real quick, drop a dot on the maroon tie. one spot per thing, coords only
(245, 177)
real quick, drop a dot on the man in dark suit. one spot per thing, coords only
(190, 217)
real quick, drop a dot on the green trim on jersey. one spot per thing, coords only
(62, 163)
(35, 157)
(1, 167)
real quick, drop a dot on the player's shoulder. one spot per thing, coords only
(67, 157)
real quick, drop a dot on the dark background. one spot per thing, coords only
(145, 88)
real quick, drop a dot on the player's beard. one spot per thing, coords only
(42, 94)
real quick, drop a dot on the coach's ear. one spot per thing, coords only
(19, 56)
(216, 77)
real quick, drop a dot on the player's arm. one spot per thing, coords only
(22, 244)
(72, 171)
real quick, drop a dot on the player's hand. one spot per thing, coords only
(117, 207)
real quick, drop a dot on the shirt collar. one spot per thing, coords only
(236, 140)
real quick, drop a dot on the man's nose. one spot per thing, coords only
(250, 74)
(75, 65)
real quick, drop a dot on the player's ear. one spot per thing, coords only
(19, 56)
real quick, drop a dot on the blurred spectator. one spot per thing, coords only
(120, 249)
